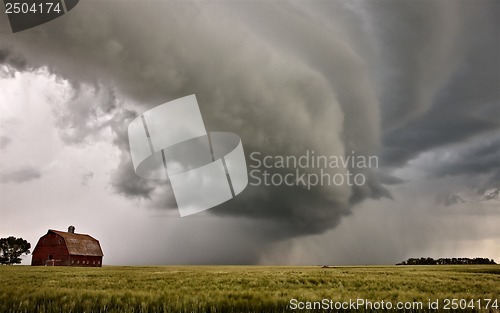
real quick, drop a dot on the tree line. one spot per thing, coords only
(446, 261)
(12, 248)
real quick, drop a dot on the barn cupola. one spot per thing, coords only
(71, 229)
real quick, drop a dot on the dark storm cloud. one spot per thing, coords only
(388, 179)
(493, 194)
(277, 105)
(460, 53)
(484, 158)
(451, 121)
(14, 60)
(396, 78)
(125, 181)
(417, 45)
(448, 200)
(480, 162)
(490, 181)
(20, 175)
(335, 48)
(86, 113)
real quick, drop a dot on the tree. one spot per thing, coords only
(12, 248)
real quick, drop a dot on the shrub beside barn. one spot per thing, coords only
(59, 248)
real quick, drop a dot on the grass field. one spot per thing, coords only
(240, 288)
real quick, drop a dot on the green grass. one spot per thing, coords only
(236, 288)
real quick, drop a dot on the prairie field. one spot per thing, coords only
(248, 288)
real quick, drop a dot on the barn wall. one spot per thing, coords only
(50, 245)
(82, 260)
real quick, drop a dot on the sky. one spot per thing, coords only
(415, 84)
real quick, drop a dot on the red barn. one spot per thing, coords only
(59, 248)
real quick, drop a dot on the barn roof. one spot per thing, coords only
(80, 244)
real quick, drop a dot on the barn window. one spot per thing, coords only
(98, 262)
(60, 241)
(87, 262)
(93, 263)
(78, 262)
(72, 261)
